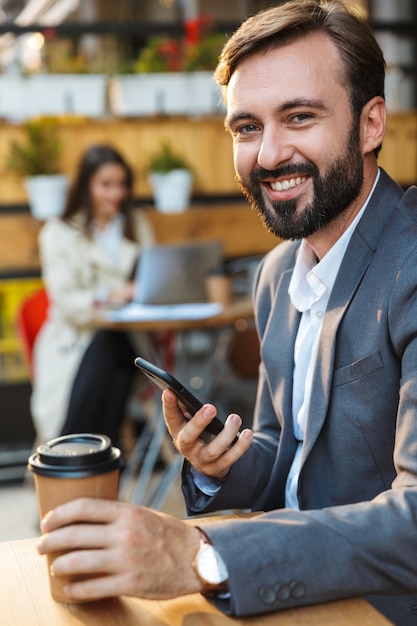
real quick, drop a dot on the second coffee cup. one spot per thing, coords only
(70, 467)
(219, 287)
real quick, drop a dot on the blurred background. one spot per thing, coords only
(136, 73)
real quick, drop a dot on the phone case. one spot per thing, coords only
(165, 380)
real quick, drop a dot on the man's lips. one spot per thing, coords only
(285, 188)
(287, 183)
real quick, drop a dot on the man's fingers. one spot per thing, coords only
(90, 510)
(217, 459)
(73, 537)
(173, 415)
(193, 429)
(93, 589)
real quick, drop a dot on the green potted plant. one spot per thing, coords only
(171, 180)
(173, 76)
(35, 157)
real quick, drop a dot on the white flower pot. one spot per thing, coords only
(169, 93)
(47, 195)
(52, 94)
(204, 94)
(148, 94)
(172, 191)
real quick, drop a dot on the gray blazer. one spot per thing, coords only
(356, 532)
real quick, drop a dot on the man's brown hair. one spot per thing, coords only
(361, 56)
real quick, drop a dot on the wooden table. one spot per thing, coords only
(239, 311)
(25, 599)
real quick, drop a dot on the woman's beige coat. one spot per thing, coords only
(74, 267)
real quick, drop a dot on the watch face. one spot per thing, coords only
(210, 566)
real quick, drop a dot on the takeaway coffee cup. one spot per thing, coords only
(70, 467)
(219, 287)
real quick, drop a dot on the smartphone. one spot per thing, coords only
(187, 401)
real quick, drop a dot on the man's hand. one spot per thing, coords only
(214, 458)
(143, 553)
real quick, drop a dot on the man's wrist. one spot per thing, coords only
(210, 568)
(206, 484)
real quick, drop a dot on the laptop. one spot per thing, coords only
(175, 274)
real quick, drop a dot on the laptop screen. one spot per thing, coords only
(175, 274)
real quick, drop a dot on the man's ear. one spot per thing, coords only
(373, 124)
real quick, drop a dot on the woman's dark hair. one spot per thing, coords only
(362, 58)
(78, 200)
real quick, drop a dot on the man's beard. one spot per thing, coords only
(333, 193)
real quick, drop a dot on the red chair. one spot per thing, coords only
(30, 316)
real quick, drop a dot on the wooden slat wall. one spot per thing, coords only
(203, 141)
(18, 243)
(237, 226)
(399, 149)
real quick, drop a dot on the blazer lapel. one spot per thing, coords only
(278, 323)
(355, 263)
(285, 325)
(357, 260)
(279, 338)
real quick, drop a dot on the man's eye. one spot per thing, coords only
(301, 117)
(246, 129)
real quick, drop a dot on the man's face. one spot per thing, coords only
(296, 146)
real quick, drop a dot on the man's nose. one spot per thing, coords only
(275, 150)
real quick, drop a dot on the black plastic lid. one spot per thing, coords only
(76, 456)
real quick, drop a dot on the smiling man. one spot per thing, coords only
(331, 461)
(296, 140)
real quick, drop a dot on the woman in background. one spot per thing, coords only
(88, 257)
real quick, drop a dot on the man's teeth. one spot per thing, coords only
(289, 183)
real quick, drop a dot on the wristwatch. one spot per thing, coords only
(210, 568)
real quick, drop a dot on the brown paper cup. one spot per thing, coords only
(219, 288)
(70, 467)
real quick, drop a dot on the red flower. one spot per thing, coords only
(196, 27)
(49, 33)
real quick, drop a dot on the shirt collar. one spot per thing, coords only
(311, 279)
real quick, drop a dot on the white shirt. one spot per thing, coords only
(310, 288)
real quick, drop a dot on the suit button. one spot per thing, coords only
(283, 592)
(297, 589)
(267, 595)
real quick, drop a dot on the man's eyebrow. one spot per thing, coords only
(233, 119)
(308, 103)
(302, 102)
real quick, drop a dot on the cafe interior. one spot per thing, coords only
(99, 71)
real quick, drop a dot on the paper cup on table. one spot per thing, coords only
(70, 467)
(219, 288)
